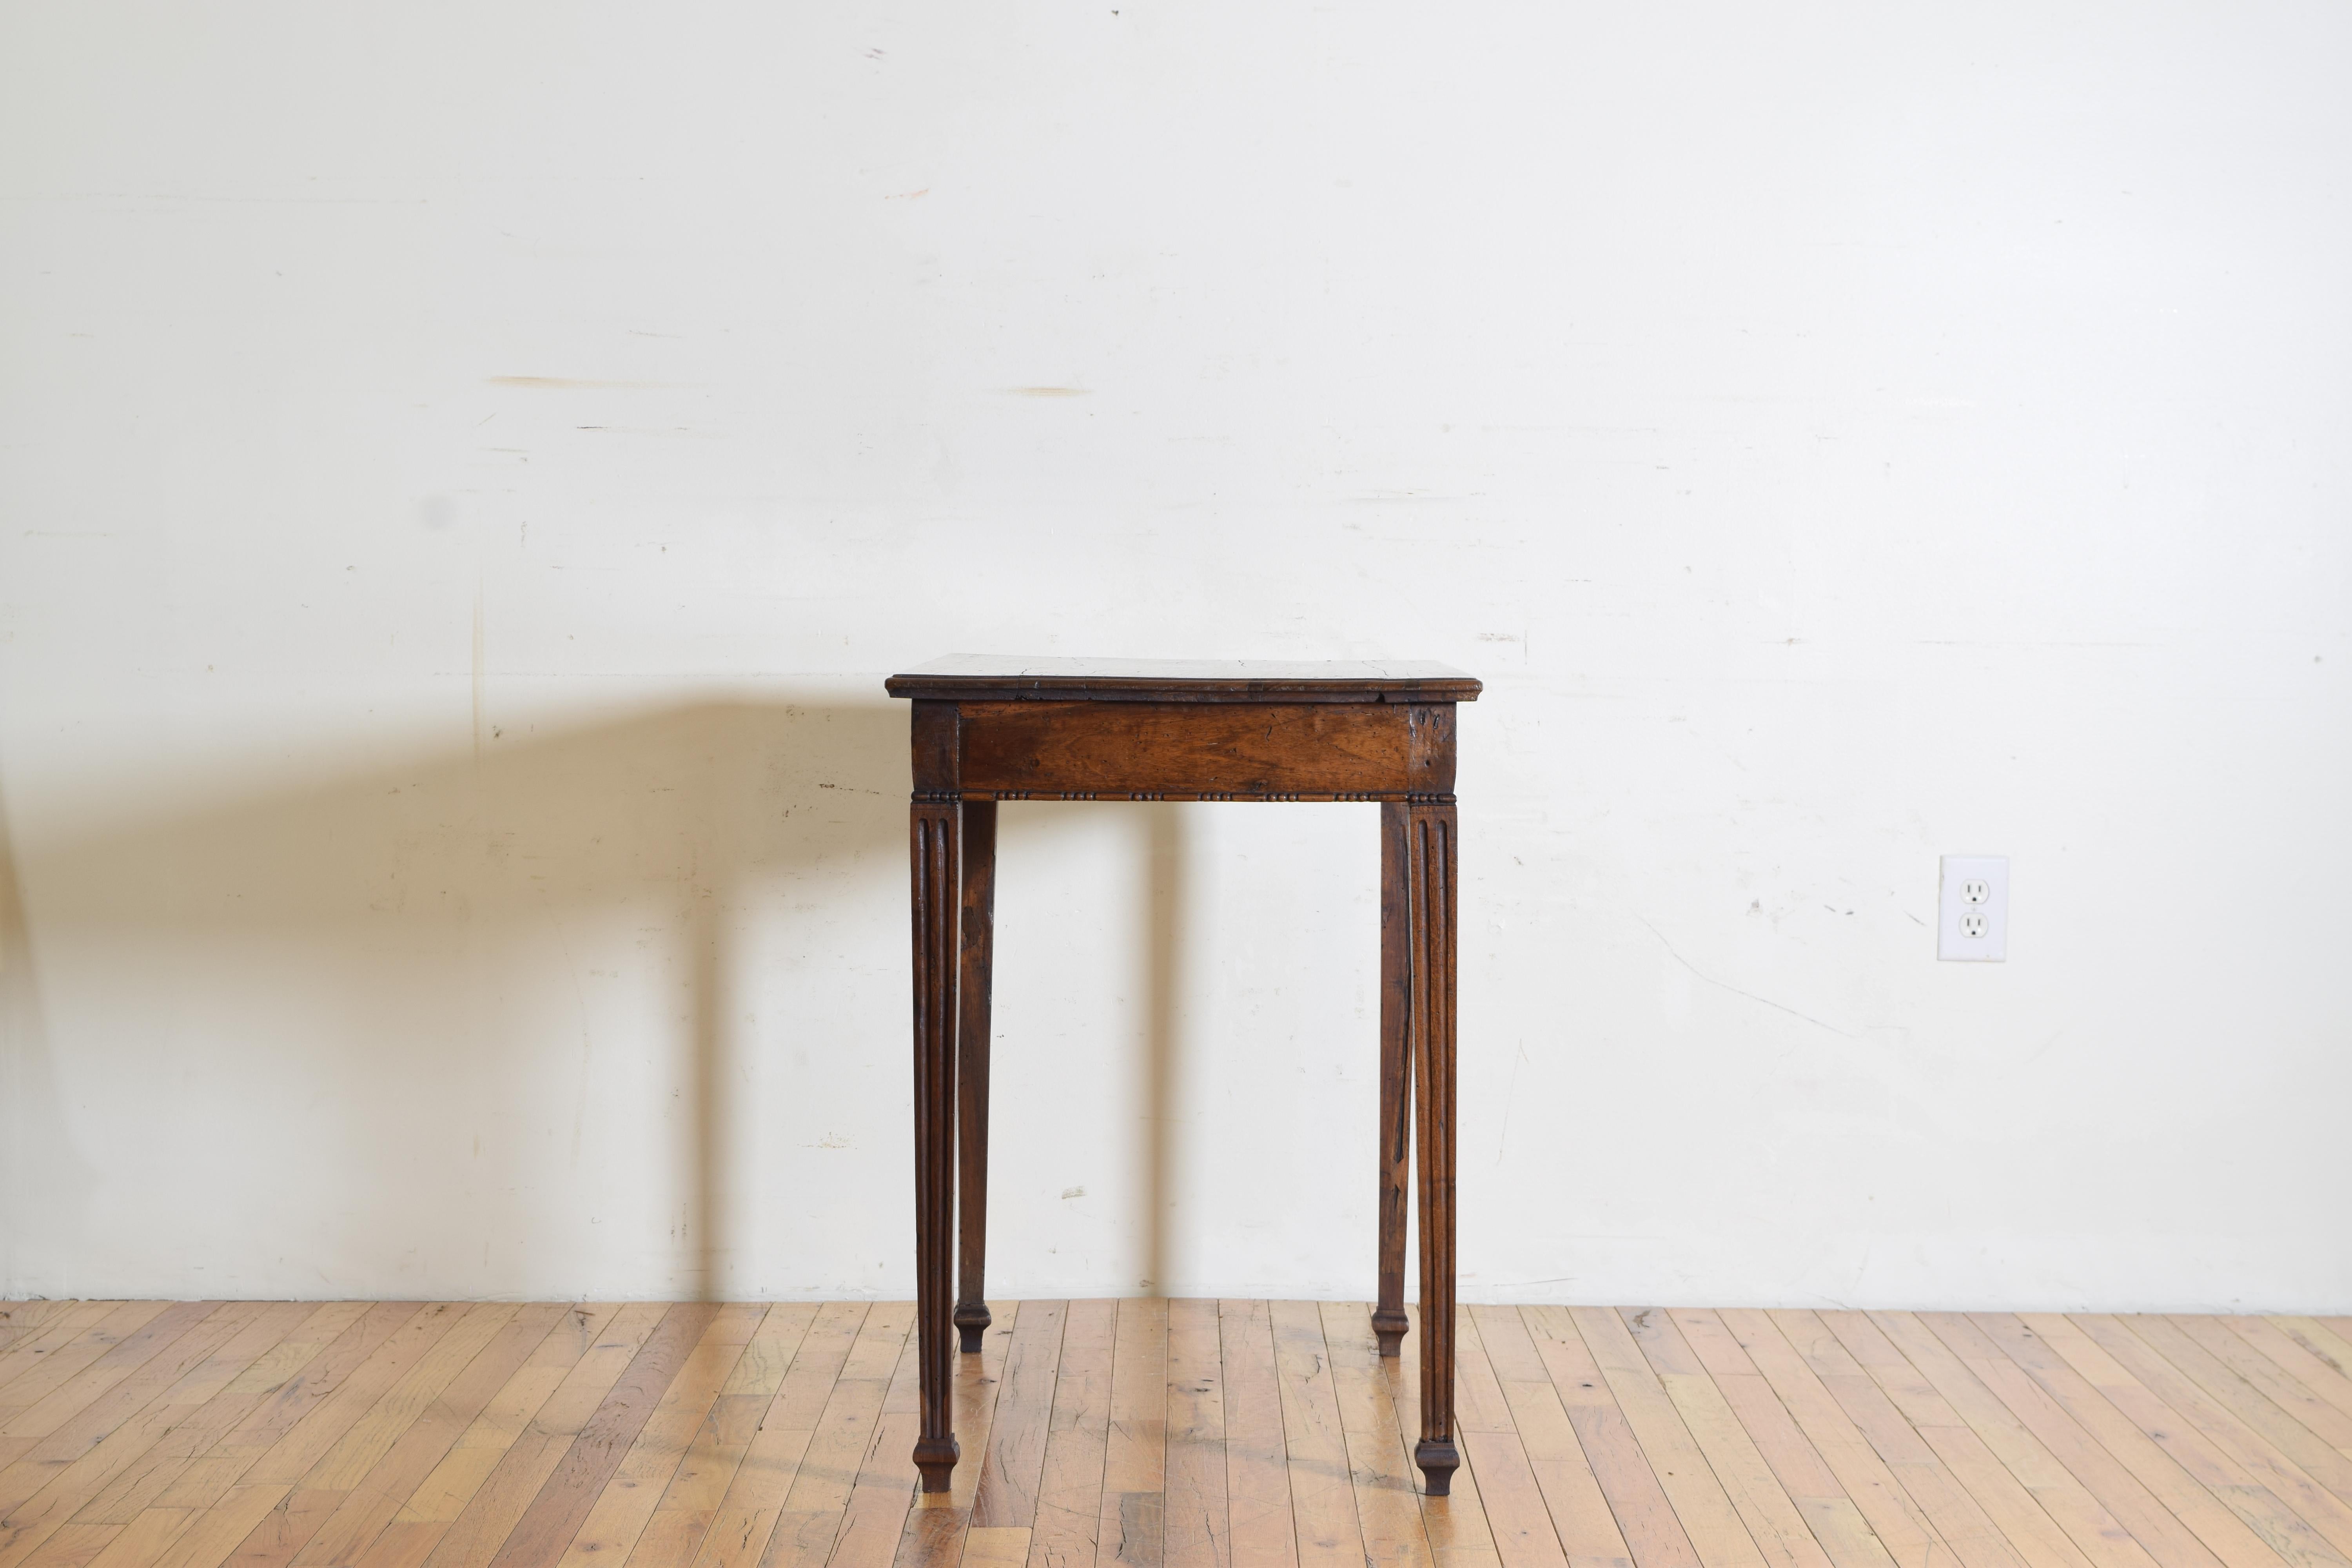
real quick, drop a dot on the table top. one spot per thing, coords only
(998, 678)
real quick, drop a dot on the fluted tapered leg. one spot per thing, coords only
(1388, 1321)
(1431, 883)
(978, 948)
(935, 839)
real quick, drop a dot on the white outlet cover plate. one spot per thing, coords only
(1972, 911)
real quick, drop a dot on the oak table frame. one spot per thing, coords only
(986, 729)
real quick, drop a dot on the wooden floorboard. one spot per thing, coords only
(1144, 1434)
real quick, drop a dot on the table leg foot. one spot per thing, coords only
(1389, 1326)
(1438, 1461)
(972, 1320)
(936, 1457)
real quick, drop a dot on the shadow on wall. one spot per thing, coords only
(44, 1169)
(376, 985)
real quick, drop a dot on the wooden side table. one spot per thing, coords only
(986, 729)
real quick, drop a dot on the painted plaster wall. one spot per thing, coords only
(464, 473)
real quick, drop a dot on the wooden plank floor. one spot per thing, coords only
(1162, 1434)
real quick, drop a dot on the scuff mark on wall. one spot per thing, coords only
(478, 676)
(568, 383)
(1735, 989)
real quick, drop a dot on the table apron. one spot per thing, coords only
(1177, 751)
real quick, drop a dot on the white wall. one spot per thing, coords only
(464, 473)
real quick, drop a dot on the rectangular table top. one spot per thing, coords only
(997, 678)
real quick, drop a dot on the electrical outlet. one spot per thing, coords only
(1972, 912)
